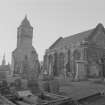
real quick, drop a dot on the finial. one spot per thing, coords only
(25, 21)
(3, 61)
(25, 16)
(4, 55)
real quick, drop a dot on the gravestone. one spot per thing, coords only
(34, 86)
(54, 86)
(49, 84)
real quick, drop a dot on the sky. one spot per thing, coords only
(50, 19)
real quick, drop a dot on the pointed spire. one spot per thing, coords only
(4, 61)
(25, 21)
(26, 16)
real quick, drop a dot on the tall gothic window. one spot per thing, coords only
(68, 64)
(61, 61)
(76, 55)
(55, 71)
(50, 64)
(50, 59)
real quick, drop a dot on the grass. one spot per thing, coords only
(80, 89)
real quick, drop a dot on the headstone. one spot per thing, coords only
(34, 86)
(24, 84)
(49, 85)
(54, 86)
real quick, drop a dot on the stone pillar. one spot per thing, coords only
(51, 63)
(55, 73)
(77, 74)
(65, 62)
(47, 64)
(102, 65)
(50, 69)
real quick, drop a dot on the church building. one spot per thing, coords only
(25, 61)
(78, 56)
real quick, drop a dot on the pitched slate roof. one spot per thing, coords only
(74, 39)
(56, 42)
(77, 37)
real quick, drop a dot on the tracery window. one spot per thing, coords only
(76, 55)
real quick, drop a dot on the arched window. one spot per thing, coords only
(61, 61)
(76, 55)
(55, 70)
(50, 58)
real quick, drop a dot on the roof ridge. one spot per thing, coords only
(60, 38)
(79, 33)
(76, 38)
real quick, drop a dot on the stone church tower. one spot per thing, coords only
(25, 61)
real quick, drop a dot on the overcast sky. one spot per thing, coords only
(50, 19)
